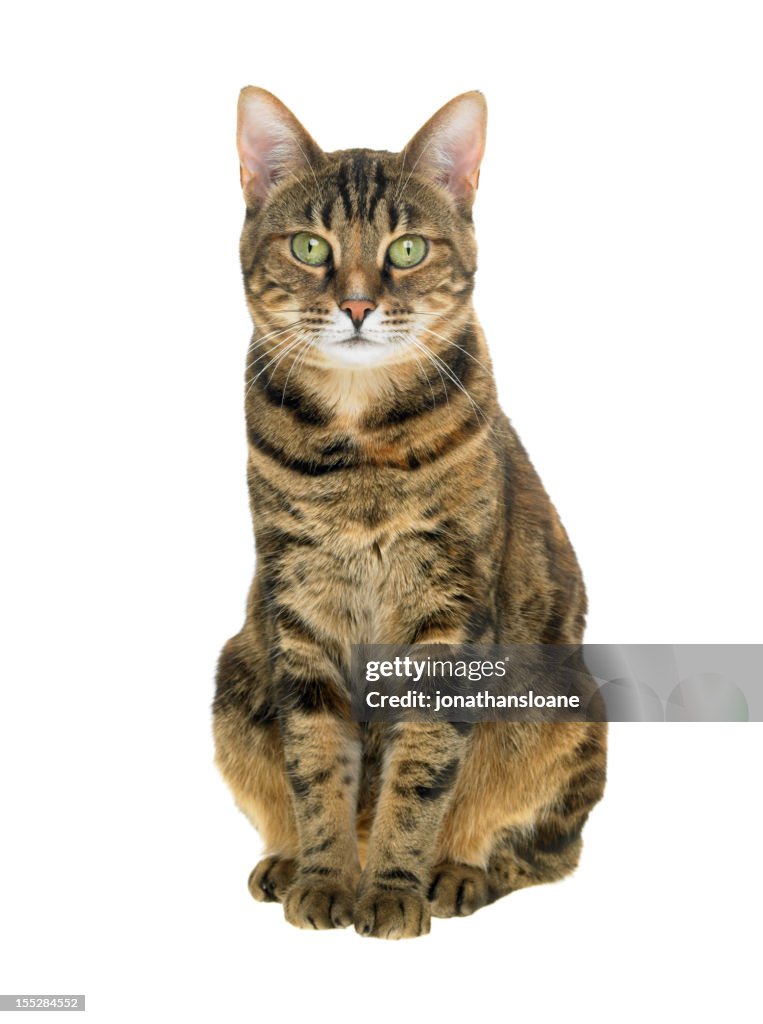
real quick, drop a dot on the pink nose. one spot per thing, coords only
(357, 309)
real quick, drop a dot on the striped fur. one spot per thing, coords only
(391, 502)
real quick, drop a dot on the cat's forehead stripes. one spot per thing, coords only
(358, 185)
(380, 181)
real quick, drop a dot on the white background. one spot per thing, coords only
(620, 218)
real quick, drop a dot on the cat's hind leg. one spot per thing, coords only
(457, 890)
(271, 877)
(249, 754)
(550, 849)
(521, 801)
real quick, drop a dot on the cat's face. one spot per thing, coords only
(357, 258)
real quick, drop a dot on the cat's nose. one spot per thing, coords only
(356, 309)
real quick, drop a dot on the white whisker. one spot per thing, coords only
(317, 183)
(453, 343)
(459, 384)
(255, 343)
(286, 341)
(400, 335)
(307, 342)
(428, 354)
(400, 191)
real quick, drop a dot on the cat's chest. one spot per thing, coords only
(371, 573)
(351, 547)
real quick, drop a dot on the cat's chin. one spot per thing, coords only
(359, 354)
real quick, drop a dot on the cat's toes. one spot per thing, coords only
(270, 880)
(392, 915)
(311, 905)
(457, 890)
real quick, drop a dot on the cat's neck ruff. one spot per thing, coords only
(351, 391)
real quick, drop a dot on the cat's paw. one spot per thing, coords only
(270, 880)
(319, 904)
(392, 915)
(457, 890)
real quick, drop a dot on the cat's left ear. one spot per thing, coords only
(450, 146)
(272, 144)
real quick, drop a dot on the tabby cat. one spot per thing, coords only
(392, 502)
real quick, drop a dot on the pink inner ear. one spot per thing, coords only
(266, 144)
(254, 172)
(257, 148)
(463, 148)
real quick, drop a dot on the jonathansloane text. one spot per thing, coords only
(483, 699)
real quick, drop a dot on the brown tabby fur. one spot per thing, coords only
(390, 504)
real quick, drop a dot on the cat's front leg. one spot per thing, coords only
(322, 753)
(421, 770)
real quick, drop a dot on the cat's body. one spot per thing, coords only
(392, 503)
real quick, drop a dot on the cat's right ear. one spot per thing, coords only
(450, 147)
(272, 144)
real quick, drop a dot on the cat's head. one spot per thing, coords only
(358, 258)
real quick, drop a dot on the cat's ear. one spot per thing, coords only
(272, 144)
(450, 146)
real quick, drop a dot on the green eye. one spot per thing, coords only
(407, 251)
(310, 248)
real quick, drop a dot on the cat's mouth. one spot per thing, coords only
(359, 350)
(357, 339)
